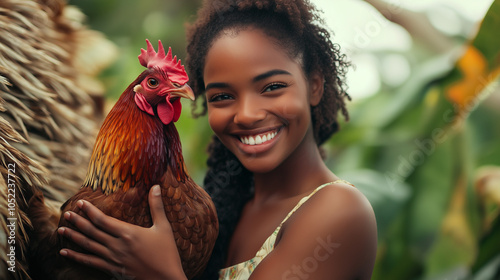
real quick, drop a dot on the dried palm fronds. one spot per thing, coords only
(50, 109)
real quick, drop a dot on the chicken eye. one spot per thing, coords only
(153, 83)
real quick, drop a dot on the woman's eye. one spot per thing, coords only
(274, 86)
(153, 83)
(219, 97)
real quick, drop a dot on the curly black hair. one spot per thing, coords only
(294, 25)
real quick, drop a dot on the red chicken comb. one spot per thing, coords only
(173, 68)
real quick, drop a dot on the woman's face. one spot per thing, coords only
(258, 99)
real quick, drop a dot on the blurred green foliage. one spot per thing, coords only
(436, 144)
(412, 151)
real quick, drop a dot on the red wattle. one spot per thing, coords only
(169, 112)
(165, 112)
(177, 109)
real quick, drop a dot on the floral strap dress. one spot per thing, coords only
(243, 270)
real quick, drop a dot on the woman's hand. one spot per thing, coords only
(123, 248)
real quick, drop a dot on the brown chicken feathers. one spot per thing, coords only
(137, 147)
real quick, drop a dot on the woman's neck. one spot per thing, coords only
(301, 172)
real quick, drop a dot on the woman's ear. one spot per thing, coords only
(317, 87)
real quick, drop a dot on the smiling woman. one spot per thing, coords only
(273, 87)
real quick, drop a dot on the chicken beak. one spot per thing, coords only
(184, 91)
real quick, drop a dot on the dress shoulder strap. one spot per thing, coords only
(304, 199)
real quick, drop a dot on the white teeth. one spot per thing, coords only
(258, 139)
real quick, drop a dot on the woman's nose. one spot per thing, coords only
(249, 111)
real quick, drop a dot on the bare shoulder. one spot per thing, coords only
(340, 201)
(339, 224)
(333, 235)
(340, 209)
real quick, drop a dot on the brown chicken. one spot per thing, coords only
(137, 147)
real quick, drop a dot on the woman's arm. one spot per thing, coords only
(332, 236)
(123, 248)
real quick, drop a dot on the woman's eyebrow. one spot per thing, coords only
(270, 74)
(216, 85)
